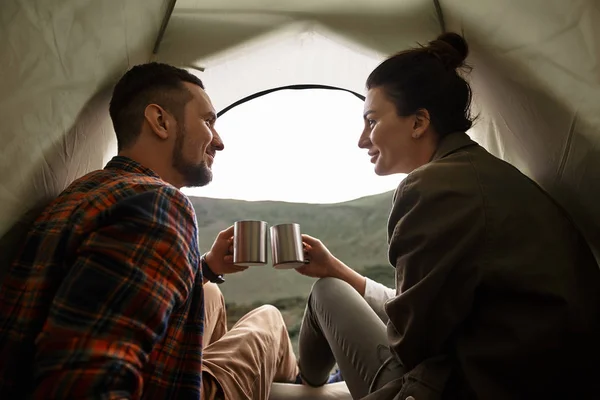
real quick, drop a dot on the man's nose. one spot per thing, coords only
(217, 142)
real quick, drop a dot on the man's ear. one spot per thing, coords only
(422, 121)
(158, 120)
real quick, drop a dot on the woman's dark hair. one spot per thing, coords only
(427, 77)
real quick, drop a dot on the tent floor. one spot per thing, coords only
(287, 391)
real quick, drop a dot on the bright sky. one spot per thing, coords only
(296, 146)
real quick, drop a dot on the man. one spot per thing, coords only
(106, 297)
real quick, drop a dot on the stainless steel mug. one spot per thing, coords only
(250, 243)
(286, 246)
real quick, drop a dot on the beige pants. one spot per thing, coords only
(246, 360)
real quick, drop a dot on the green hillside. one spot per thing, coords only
(354, 231)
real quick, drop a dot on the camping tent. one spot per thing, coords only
(536, 77)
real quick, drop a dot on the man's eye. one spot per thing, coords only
(371, 122)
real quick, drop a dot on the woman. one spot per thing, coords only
(497, 295)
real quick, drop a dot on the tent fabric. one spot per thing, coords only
(58, 63)
(298, 53)
(536, 78)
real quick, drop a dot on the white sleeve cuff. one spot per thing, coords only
(376, 295)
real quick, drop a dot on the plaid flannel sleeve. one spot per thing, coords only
(114, 303)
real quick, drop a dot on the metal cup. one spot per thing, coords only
(250, 243)
(286, 246)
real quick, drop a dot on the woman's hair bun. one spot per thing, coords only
(451, 48)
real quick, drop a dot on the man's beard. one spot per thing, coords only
(193, 174)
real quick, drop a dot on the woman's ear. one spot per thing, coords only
(421, 123)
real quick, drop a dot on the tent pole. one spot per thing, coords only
(163, 26)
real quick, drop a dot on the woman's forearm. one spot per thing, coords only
(350, 276)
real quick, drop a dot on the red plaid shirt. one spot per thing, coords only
(105, 299)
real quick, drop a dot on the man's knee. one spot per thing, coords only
(270, 314)
(327, 290)
(264, 324)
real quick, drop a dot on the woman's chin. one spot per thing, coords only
(385, 170)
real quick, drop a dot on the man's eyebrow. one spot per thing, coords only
(210, 115)
(367, 113)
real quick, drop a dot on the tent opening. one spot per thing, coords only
(296, 146)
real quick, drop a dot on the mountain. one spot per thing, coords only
(354, 231)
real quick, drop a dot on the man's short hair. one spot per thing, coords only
(145, 84)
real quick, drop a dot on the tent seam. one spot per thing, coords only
(566, 151)
(440, 15)
(163, 26)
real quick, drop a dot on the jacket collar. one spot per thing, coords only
(452, 143)
(447, 145)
